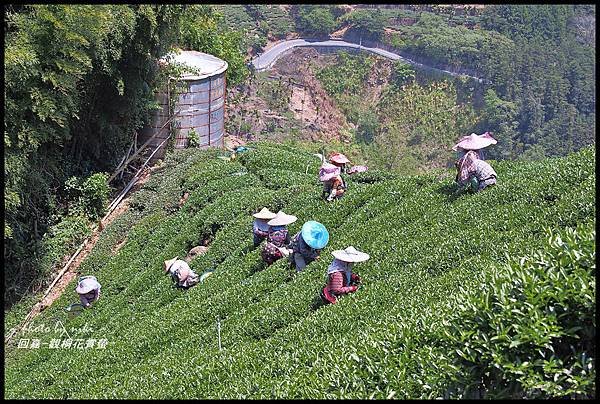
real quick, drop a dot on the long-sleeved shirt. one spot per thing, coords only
(279, 236)
(260, 227)
(483, 171)
(339, 277)
(87, 298)
(337, 184)
(470, 164)
(299, 246)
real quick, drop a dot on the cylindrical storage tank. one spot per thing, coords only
(199, 105)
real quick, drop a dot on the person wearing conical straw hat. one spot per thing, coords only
(339, 160)
(474, 142)
(181, 273)
(340, 278)
(333, 183)
(307, 244)
(88, 289)
(278, 237)
(472, 171)
(260, 227)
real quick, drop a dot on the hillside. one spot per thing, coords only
(393, 338)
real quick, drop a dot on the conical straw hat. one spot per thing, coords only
(282, 219)
(350, 254)
(265, 213)
(475, 142)
(339, 158)
(167, 264)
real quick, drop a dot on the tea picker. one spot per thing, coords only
(340, 278)
(181, 273)
(473, 173)
(88, 289)
(278, 238)
(333, 184)
(307, 244)
(260, 226)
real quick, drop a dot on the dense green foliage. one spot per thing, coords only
(344, 80)
(79, 81)
(272, 19)
(427, 251)
(411, 127)
(315, 20)
(552, 80)
(202, 29)
(367, 23)
(538, 60)
(529, 328)
(257, 23)
(76, 86)
(419, 126)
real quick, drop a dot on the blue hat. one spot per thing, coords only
(315, 234)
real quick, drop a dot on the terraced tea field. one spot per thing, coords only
(400, 335)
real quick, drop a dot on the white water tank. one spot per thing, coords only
(200, 105)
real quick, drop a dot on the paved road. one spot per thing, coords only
(266, 60)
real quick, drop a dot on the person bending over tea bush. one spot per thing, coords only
(88, 289)
(278, 238)
(181, 273)
(307, 244)
(340, 278)
(260, 227)
(333, 184)
(472, 171)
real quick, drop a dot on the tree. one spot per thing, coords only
(201, 30)
(315, 20)
(370, 23)
(500, 118)
(78, 82)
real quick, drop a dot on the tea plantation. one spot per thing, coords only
(465, 296)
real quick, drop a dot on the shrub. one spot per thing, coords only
(193, 138)
(316, 20)
(63, 238)
(528, 330)
(88, 196)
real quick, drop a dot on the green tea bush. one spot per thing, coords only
(528, 330)
(430, 250)
(88, 197)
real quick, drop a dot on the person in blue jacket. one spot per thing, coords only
(306, 245)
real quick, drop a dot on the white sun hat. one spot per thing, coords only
(167, 264)
(86, 284)
(282, 219)
(350, 254)
(265, 213)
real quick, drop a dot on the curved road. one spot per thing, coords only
(266, 60)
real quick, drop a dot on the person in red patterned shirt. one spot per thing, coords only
(340, 278)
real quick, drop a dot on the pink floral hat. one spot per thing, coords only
(475, 142)
(328, 171)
